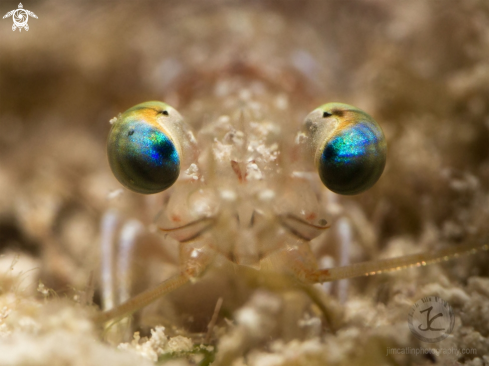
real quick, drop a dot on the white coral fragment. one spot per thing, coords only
(157, 345)
(253, 172)
(114, 119)
(192, 172)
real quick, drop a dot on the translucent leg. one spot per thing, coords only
(108, 233)
(122, 282)
(300, 262)
(143, 299)
(125, 249)
(312, 275)
(195, 265)
(128, 239)
(345, 236)
(326, 262)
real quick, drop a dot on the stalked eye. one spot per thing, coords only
(348, 145)
(144, 149)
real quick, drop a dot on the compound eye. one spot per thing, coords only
(350, 148)
(143, 153)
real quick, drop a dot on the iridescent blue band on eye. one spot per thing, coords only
(142, 157)
(353, 159)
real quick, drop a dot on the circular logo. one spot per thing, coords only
(20, 18)
(431, 319)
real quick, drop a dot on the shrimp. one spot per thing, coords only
(246, 173)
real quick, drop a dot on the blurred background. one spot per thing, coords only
(421, 68)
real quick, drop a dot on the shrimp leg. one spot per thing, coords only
(196, 263)
(310, 274)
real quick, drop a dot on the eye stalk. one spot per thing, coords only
(146, 146)
(348, 147)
